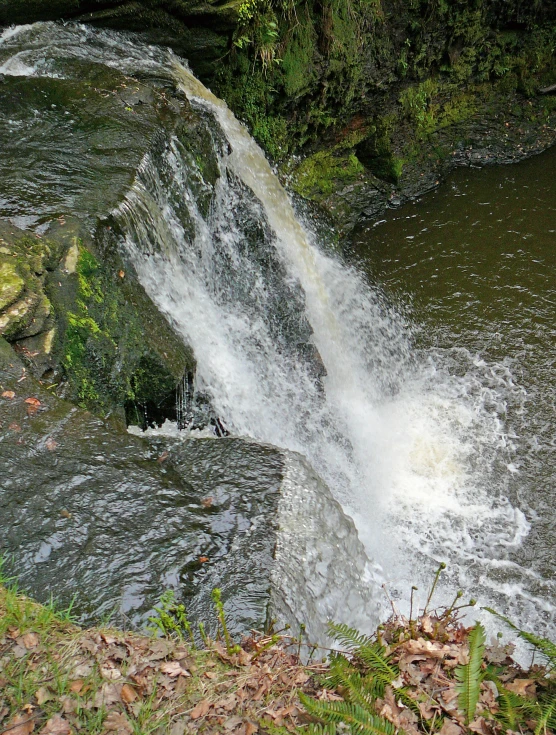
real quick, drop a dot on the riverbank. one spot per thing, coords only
(427, 675)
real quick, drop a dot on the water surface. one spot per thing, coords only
(472, 266)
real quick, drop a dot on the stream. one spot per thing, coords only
(413, 372)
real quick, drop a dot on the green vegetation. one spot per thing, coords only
(105, 341)
(423, 675)
(432, 674)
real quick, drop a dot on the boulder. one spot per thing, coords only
(113, 520)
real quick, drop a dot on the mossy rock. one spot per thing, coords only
(12, 284)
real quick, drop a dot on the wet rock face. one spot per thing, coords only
(199, 31)
(90, 511)
(73, 132)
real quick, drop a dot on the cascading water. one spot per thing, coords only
(294, 348)
(406, 447)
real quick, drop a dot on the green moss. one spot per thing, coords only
(319, 175)
(12, 284)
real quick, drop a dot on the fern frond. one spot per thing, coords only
(348, 637)
(358, 719)
(374, 656)
(547, 718)
(512, 708)
(469, 676)
(546, 647)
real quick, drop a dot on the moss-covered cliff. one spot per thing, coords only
(382, 95)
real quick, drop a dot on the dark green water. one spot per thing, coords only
(473, 268)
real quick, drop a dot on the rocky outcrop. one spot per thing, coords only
(71, 307)
(114, 520)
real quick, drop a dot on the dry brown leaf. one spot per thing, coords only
(200, 709)
(157, 650)
(76, 686)
(128, 694)
(228, 704)
(69, 705)
(82, 670)
(431, 649)
(20, 725)
(232, 722)
(30, 640)
(109, 639)
(178, 728)
(42, 695)
(249, 728)
(108, 694)
(56, 726)
(173, 668)
(523, 687)
(8, 394)
(449, 727)
(110, 671)
(51, 444)
(480, 726)
(206, 502)
(118, 722)
(33, 402)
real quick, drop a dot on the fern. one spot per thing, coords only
(358, 718)
(546, 647)
(469, 676)
(348, 637)
(365, 649)
(546, 719)
(512, 708)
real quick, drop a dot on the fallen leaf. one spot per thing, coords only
(76, 686)
(128, 694)
(108, 694)
(119, 723)
(173, 668)
(51, 444)
(30, 640)
(20, 725)
(178, 728)
(33, 402)
(107, 638)
(249, 728)
(82, 670)
(449, 727)
(162, 457)
(121, 274)
(203, 559)
(232, 722)
(14, 427)
(206, 503)
(200, 709)
(42, 695)
(56, 726)
(8, 394)
(523, 687)
(158, 649)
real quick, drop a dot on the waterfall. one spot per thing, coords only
(295, 349)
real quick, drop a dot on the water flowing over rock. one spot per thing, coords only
(292, 348)
(88, 508)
